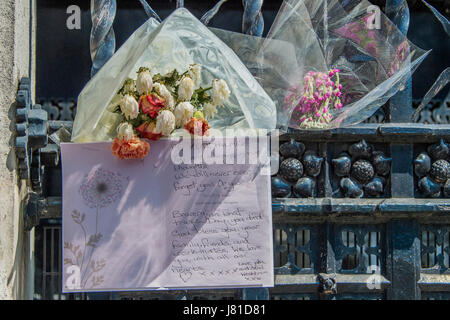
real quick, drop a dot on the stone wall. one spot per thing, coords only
(14, 64)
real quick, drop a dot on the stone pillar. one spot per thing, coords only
(14, 63)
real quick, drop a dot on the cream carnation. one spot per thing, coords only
(220, 92)
(129, 106)
(183, 113)
(165, 93)
(144, 82)
(186, 89)
(125, 131)
(195, 72)
(165, 123)
(209, 110)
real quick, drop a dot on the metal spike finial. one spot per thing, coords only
(252, 21)
(206, 18)
(102, 41)
(401, 103)
(149, 10)
(398, 12)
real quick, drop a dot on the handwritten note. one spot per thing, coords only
(155, 224)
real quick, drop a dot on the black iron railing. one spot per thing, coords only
(332, 239)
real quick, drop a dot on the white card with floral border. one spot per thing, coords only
(155, 223)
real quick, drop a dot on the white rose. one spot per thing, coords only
(165, 123)
(209, 110)
(195, 72)
(165, 93)
(186, 89)
(125, 131)
(183, 113)
(144, 82)
(220, 92)
(129, 106)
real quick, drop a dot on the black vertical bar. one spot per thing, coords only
(435, 244)
(400, 105)
(428, 255)
(402, 177)
(324, 180)
(403, 236)
(303, 253)
(255, 294)
(44, 265)
(59, 253)
(403, 259)
(448, 255)
(382, 263)
(327, 260)
(52, 263)
(280, 254)
(325, 257)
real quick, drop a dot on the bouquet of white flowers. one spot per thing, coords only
(153, 106)
(187, 79)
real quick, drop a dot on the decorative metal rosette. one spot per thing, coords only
(432, 168)
(298, 171)
(362, 171)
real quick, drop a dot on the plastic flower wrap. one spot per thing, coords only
(172, 76)
(329, 64)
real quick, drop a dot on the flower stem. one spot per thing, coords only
(85, 245)
(93, 248)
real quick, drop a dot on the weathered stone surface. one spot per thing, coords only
(14, 63)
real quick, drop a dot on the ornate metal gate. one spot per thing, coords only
(332, 240)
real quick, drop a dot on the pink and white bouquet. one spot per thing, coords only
(318, 96)
(330, 64)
